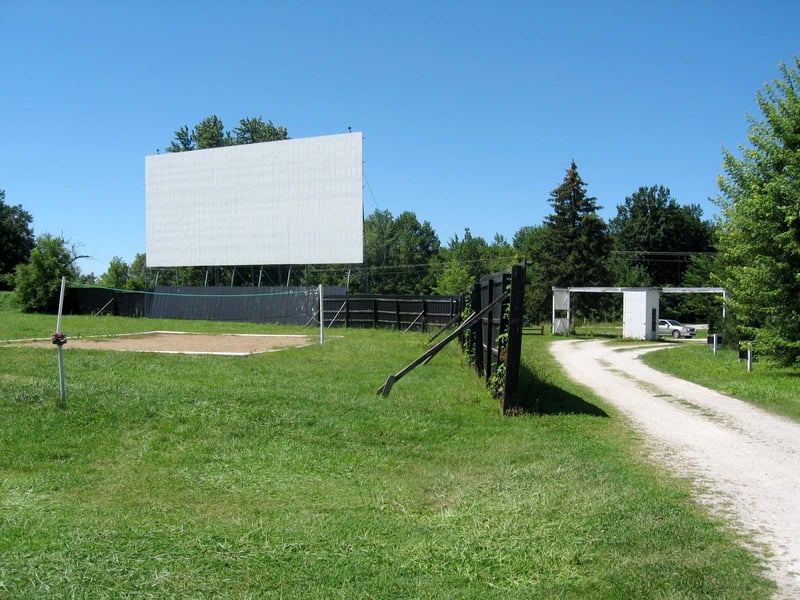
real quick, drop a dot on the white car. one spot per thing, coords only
(675, 329)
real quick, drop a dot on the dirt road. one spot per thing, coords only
(746, 462)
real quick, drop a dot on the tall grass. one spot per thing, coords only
(284, 475)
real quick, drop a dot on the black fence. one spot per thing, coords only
(495, 341)
(416, 313)
(296, 305)
(96, 301)
(293, 305)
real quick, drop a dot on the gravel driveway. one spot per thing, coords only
(746, 462)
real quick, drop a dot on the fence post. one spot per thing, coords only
(488, 332)
(62, 402)
(397, 314)
(476, 339)
(514, 348)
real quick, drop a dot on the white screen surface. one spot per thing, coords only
(286, 202)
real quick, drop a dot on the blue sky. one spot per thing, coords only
(464, 106)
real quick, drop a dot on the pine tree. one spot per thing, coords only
(576, 243)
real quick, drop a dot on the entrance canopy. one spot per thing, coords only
(639, 307)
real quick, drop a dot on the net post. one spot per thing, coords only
(321, 316)
(62, 387)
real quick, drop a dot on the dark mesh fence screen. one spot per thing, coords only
(286, 305)
(254, 305)
(296, 305)
(105, 301)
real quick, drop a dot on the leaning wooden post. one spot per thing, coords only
(59, 339)
(468, 322)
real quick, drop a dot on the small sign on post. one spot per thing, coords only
(746, 354)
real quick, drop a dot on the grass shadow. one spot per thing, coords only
(529, 330)
(544, 398)
(589, 335)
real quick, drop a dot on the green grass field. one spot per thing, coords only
(285, 476)
(773, 388)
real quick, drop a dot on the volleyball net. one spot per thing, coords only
(284, 305)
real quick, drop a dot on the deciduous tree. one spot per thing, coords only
(759, 235)
(252, 130)
(38, 282)
(656, 234)
(475, 257)
(398, 253)
(184, 140)
(117, 275)
(139, 276)
(210, 133)
(530, 244)
(16, 238)
(454, 279)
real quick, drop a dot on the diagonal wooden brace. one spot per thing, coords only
(468, 322)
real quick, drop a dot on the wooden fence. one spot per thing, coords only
(495, 342)
(270, 305)
(418, 313)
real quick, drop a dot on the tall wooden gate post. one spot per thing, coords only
(514, 348)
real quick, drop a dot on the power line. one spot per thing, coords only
(442, 264)
(662, 253)
(369, 187)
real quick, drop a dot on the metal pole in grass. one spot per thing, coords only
(59, 339)
(321, 317)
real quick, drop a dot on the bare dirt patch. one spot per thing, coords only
(743, 460)
(185, 343)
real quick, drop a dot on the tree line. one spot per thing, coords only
(753, 250)
(573, 246)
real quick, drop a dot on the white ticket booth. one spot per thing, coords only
(640, 313)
